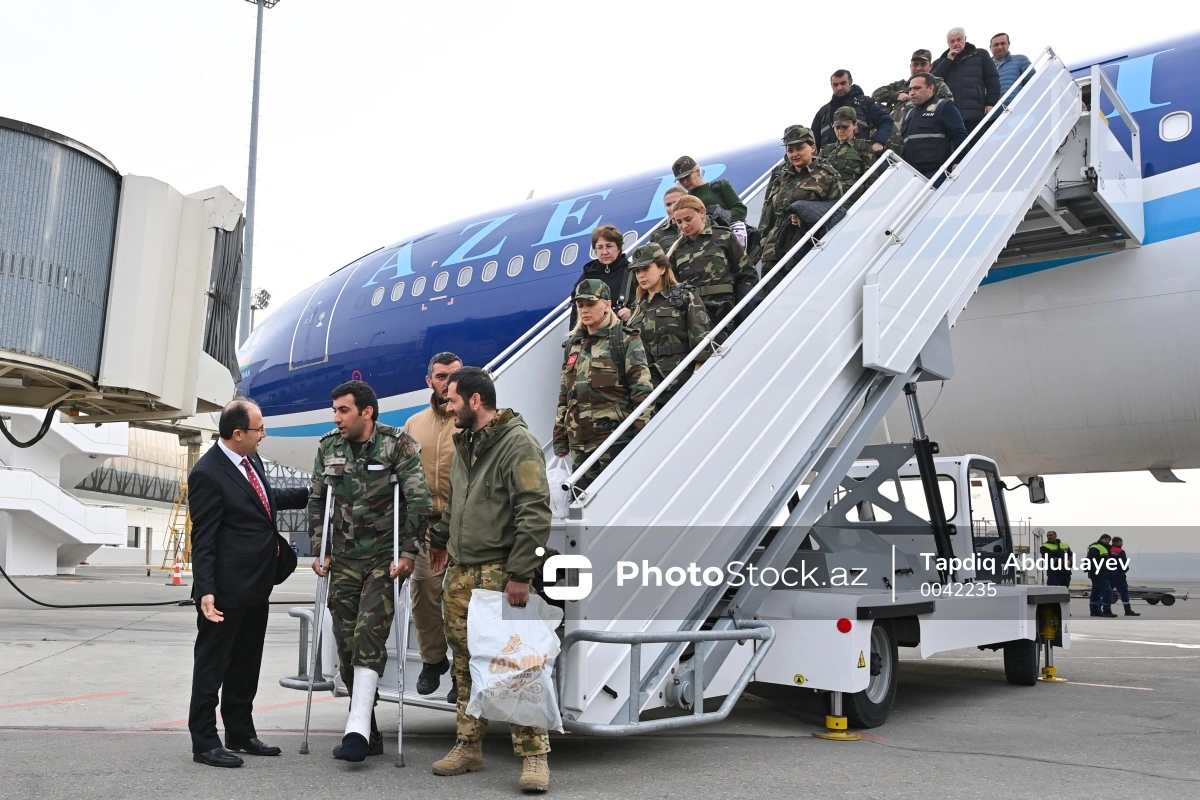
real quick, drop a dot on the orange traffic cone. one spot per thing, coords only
(177, 575)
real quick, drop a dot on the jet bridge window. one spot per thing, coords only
(377, 296)
(569, 254)
(514, 266)
(489, 271)
(398, 291)
(464, 276)
(541, 260)
(1175, 126)
(439, 283)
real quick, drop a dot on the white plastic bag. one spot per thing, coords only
(512, 660)
(557, 473)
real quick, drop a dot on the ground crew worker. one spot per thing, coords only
(719, 197)
(492, 538)
(1120, 571)
(932, 130)
(1058, 560)
(433, 430)
(805, 176)
(605, 376)
(709, 260)
(895, 99)
(1100, 573)
(850, 156)
(669, 316)
(360, 457)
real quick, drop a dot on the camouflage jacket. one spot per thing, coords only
(666, 235)
(888, 97)
(600, 387)
(851, 159)
(362, 494)
(671, 323)
(712, 263)
(817, 181)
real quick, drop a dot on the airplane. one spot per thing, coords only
(1067, 365)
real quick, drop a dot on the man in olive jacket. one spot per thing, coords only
(491, 532)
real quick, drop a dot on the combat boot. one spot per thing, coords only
(463, 757)
(1129, 612)
(535, 773)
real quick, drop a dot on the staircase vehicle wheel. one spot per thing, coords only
(870, 707)
(1021, 662)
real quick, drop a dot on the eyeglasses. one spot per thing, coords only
(260, 429)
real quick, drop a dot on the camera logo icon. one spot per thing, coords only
(562, 563)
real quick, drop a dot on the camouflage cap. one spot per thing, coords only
(798, 134)
(844, 116)
(591, 289)
(921, 55)
(683, 166)
(646, 255)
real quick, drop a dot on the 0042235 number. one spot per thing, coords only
(958, 590)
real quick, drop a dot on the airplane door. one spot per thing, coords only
(310, 341)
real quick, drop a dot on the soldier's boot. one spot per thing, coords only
(535, 773)
(452, 695)
(1129, 612)
(431, 676)
(463, 757)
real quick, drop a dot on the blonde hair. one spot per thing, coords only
(668, 278)
(692, 202)
(605, 323)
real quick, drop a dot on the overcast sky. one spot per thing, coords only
(382, 118)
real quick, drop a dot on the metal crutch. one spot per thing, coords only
(401, 623)
(322, 591)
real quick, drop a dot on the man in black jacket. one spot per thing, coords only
(971, 75)
(1099, 561)
(873, 122)
(237, 557)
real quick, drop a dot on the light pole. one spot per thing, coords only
(248, 251)
(258, 302)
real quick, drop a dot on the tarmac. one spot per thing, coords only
(94, 704)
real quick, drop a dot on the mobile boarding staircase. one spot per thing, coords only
(793, 395)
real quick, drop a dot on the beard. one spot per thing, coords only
(465, 418)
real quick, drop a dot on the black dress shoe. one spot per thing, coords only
(430, 677)
(375, 748)
(254, 747)
(217, 757)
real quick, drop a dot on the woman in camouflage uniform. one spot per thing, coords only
(669, 316)
(605, 377)
(709, 260)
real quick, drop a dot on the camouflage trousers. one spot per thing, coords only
(460, 582)
(360, 608)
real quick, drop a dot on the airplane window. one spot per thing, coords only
(464, 276)
(628, 239)
(541, 260)
(1175, 126)
(489, 270)
(418, 286)
(377, 297)
(514, 266)
(569, 254)
(440, 281)
(398, 291)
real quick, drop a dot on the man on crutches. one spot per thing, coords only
(359, 459)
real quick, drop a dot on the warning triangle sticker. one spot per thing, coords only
(862, 661)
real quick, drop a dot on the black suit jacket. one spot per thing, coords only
(235, 544)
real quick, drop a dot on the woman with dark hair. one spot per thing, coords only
(611, 266)
(669, 315)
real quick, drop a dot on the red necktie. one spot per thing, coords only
(250, 473)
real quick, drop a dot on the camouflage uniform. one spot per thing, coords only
(599, 388)
(851, 158)
(888, 96)
(672, 323)
(714, 265)
(360, 590)
(817, 181)
(456, 597)
(666, 235)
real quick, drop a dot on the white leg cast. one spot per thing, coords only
(366, 680)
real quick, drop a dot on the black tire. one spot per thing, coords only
(1168, 599)
(871, 707)
(1021, 662)
(1153, 601)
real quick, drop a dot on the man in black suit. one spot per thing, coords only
(237, 557)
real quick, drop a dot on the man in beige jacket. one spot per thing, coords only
(433, 428)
